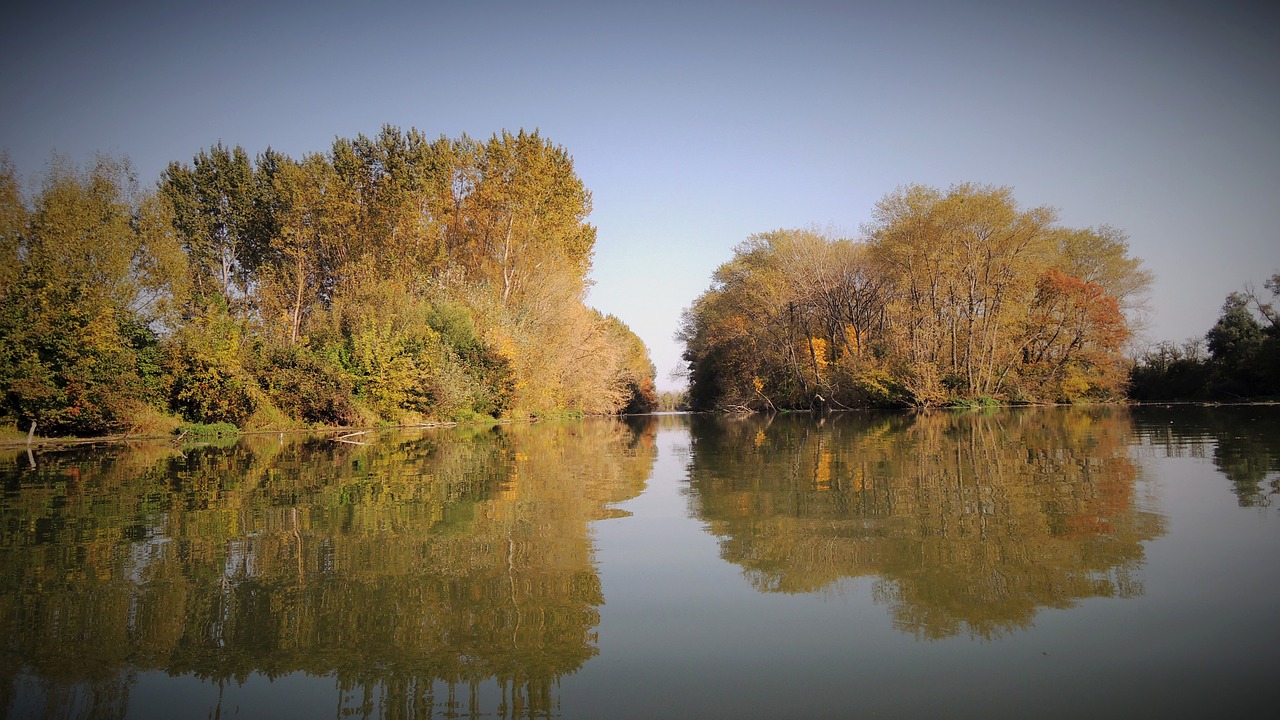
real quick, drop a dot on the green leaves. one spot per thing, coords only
(207, 380)
(394, 277)
(219, 215)
(74, 296)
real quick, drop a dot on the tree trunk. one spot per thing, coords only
(297, 303)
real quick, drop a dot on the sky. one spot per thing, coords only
(697, 124)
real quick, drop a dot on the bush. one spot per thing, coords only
(202, 393)
(206, 379)
(468, 416)
(204, 430)
(149, 421)
(307, 388)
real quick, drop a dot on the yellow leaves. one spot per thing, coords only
(935, 298)
(391, 365)
(524, 216)
(818, 354)
(853, 341)
(501, 342)
(341, 256)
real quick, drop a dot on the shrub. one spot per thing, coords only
(202, 430)
(306, 387)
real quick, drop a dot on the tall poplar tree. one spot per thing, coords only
(216, 215)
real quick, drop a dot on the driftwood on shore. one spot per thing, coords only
(346, 438)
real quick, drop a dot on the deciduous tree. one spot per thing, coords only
(959, 294)
(72, 332)
(214, 212)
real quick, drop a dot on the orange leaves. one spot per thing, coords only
(1082, 309)
(1074, 334)
(950, 295)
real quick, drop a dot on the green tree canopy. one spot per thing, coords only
(393, 278)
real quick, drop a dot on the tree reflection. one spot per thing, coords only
(412, 565)
(1243, 441)
(969, 522)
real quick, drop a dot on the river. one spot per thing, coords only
(1039, 562)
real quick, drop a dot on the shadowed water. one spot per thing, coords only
(1056, 562)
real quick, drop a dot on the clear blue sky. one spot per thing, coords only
(696, 124)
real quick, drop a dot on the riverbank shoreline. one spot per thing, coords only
(9, 441)
(12, 439)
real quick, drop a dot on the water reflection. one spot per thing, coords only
(407, 567)
(1243, 442)
(968, 523)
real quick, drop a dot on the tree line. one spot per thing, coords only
(1237, 359)
(393, 278)
(956, 296)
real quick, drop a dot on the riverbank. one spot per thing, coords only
(13, 438)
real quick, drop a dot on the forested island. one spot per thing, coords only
(953, 297)
(392, 279)
(958, 297)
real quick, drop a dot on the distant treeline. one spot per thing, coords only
(951, 297)
(391, 279)
(1238, 359)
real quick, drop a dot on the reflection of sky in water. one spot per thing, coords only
(681, 620)
(681, 631)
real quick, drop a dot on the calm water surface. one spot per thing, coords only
(1101, 562)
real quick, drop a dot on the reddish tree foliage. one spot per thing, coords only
(1075, 332)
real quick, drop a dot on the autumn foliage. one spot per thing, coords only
(394, 278)
(952, 297)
